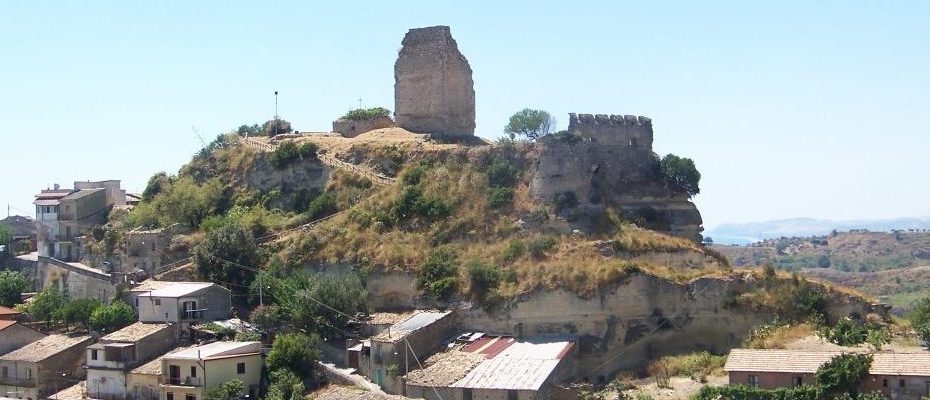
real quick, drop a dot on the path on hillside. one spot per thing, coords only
(331, 161)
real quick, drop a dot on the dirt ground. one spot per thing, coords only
(682, 388)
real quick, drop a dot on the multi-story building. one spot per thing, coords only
(182, 303)
(41, 368)
(110, 360)
(189, 374)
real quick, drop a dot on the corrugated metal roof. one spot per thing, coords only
(521, 366)
(796, 361)
(415, 322)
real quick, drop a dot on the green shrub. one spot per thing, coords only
(288, 152)
(745, 392)
(413, 175)
(849, 332)
(500, 197)
(484, 278)
(501, 173)
(322, 205)
(113, 317)
(680, 174)
(362, 114)
(539, 246)
(412, 203)
(297, 353)
(514, 250)
(12, 286)
(438, 275)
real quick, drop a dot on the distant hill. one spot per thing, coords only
(22, 226)
(754, 231)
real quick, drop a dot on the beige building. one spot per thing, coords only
(111, 359)
(143, 382)
(898, 376)
(39, 369)
(190, 373)
(14, 335)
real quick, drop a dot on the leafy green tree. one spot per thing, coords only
(680, 174)
(285, 386)
(228, 254)
(322, 205)
(187, 202)
(301, 295)
(250, 130)
(45, 304)
(921, 313)
(12, 286)
(530, 123)
(267, 317)
(232, 389)
(483, 279)
(157, 183)
(78, 311)
(923, 332)
(112, 317)
(843, 373)
(6, 239)
(438, 275)
(297, 353)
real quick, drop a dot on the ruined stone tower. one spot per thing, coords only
(433, 89)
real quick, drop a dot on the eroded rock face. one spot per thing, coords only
(433, 89)
(608, 159)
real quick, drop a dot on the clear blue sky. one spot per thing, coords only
(813, 109)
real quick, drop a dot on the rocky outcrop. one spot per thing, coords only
(351, 128)
(433, 88)
(609, 160)
(297, 183)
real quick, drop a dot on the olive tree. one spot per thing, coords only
(530, 123)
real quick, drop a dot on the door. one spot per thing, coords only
(174, 374)
(379, 376)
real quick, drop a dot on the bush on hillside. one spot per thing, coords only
(500, 197)
(322, 205)
(288, 152)
(483, 279)
(438, 275)
(228, 254)
(538, 247)
(297, 353)
(412, 203)
(514, 250)
(362, 114)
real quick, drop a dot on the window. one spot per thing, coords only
(466, 394)
(6, 372)
(93, 354)
(240, 368)
(753, 380)
(193, 372)
(511, 395)
(157, 302)
(169, 396)
(28, 373)
(190, 397)
(798, 381)
(900, 382)
(885, 382)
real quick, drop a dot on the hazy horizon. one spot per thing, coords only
(788, 109)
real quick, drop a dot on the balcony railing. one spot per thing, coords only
(17, 381)
(192, 315)
(177, 381)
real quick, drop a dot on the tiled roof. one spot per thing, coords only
(44, 348)
(6, 324)
(135, 332)
(8, 311)
(796, 361)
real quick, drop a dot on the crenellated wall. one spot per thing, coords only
(608, 159)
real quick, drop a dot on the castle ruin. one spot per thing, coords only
(608, 160)
(433, 89)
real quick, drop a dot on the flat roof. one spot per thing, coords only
(82, 193)
(177, 290)
(135, 332)
(217, 350)
(44, 348)
(154, 367)
(415, 322)
(46, 202)
(808, 362)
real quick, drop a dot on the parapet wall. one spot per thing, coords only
(352, 128)
(623, 130)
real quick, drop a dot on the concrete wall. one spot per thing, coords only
(16, 336)
(423, 342)
(352, 128)
(144, 250)
(106, 383)
(770, 380)
(46, 376)
(215, 300)
(114, 195)
(212, 373)
(142, 386)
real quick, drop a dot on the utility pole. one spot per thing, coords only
(276, 113)
(261, 301)
(359, 103)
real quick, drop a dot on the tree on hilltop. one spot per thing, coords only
(680, 174)
(362, 114)
(282, 125)
(530, 123)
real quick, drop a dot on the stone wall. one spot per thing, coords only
(433, 88)
(609, 160)
(352, 128)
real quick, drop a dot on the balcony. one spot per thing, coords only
(16, 381)
(177, 381)
(192, 315)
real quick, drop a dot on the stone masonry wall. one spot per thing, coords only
(433, 90)
(352, 128)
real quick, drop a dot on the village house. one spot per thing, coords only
(144, 382)
(110, 360)
(190, 373)
(145, 249)
(40, 368)
(386, 356)
(14, 335)
(182, 303)
(899, 376)
(489, 367)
